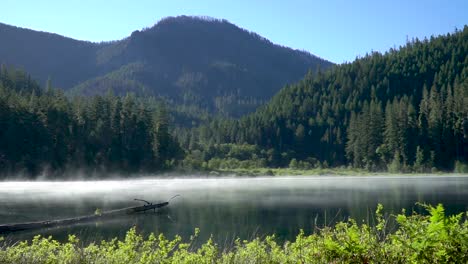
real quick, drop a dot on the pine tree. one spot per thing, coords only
(375, 132)
(419, 160)
(435, 121)
(395, 166)
(161, 139)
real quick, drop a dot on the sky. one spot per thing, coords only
(336, 30)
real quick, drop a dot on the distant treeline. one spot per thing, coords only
(41, 129)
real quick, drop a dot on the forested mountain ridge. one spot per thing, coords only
(46, 55)
(203, 61)
(403, 110)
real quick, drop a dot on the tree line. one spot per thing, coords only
(43, 130)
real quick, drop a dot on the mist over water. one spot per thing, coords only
(224, 207)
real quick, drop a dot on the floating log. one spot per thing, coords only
(8, 228)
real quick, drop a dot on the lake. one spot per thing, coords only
(225, 207)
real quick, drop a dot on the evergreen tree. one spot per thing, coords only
(419, 160)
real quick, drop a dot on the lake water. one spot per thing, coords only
(226, 207)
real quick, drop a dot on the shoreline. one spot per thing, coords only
(239, 174)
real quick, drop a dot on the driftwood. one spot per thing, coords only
(8, 228)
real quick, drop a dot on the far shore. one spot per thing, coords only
(237, 172)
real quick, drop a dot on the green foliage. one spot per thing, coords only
(430, 239)
(419, 162)
(433, 238)
(395, 166)
(302, 164)
(461, 167)
(293, 164)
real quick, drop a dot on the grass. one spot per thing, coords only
(341, 171)
(289, 171)
(429, 238)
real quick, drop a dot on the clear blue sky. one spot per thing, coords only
(335, 30)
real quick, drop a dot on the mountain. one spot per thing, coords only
(406, 109)
(192, 60)
(403, 111)
(44, 55)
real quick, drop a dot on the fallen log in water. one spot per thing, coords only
(8, 228)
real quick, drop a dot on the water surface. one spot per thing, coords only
(226, 207)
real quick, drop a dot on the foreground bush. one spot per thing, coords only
(432, 238)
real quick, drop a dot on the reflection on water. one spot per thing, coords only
(227, 207)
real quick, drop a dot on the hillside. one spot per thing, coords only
(44, 55)
(202, 61)
(403, 110)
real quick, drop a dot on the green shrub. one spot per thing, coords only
(432, 238)
(461, 167)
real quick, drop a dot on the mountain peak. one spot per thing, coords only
(202, 58)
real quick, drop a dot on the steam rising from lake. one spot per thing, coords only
(228, 206)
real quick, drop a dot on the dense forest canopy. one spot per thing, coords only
(195, 61)
(402, 110)
(41, 130)
(405, 110)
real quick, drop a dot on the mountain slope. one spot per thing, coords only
(407, 107)
(43, 55)
(203, 61)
